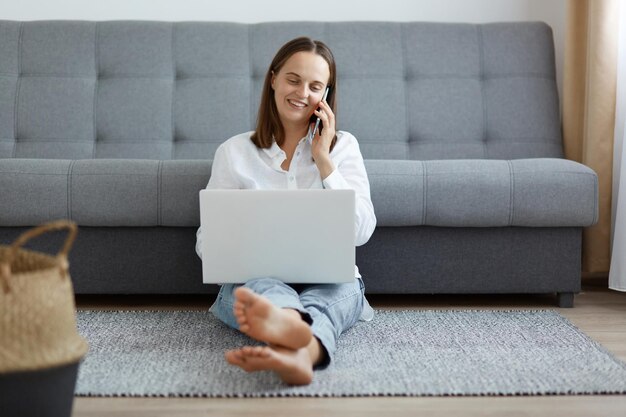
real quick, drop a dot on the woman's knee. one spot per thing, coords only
(342, 307)
(330, 294)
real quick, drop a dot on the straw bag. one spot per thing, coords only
(37, 310)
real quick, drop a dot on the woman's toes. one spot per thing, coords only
(233, 357)
(264, 351)
(240, 315)
(243, 295)
(254, 351)
(258, 351)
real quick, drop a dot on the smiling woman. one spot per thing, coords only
(299, 323)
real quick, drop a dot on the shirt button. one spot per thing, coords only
(298, 153)
(291, 178)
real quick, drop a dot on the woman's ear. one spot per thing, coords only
(273, 79)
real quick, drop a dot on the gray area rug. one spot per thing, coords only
(399, 353)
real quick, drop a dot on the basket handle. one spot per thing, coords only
(5, 269)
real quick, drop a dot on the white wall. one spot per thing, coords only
(252, 11)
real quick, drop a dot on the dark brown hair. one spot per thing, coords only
(268, 125)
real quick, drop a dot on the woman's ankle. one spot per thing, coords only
(316, 351)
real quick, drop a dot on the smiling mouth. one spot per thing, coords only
(297, 104)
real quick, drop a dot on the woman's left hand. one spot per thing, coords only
(320, 148)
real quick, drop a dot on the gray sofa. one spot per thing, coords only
(114, 124)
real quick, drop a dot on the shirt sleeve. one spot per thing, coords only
(221, 178)
(350, 173)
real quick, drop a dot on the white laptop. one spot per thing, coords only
(296, 236)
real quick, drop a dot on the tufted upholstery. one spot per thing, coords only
(157, 90)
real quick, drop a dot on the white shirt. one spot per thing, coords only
(239, 164)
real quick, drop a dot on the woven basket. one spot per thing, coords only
(37, 309)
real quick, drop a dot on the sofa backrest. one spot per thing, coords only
(160, 90)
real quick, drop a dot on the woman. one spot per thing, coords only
(299, 323)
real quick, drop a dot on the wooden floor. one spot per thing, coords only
(599, 312)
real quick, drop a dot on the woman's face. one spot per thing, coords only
(299, 86)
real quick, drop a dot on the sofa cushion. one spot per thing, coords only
(102, 192)
(453, 193)
(33, 191)
(483, 193)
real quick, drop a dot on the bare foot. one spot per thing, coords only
(292, 366)
(261, 320)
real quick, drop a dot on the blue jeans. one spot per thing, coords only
(330, 309)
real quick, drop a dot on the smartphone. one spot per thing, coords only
(316, 119)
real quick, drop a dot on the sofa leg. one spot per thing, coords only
(565, 299)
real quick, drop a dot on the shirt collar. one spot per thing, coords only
(274, 151)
